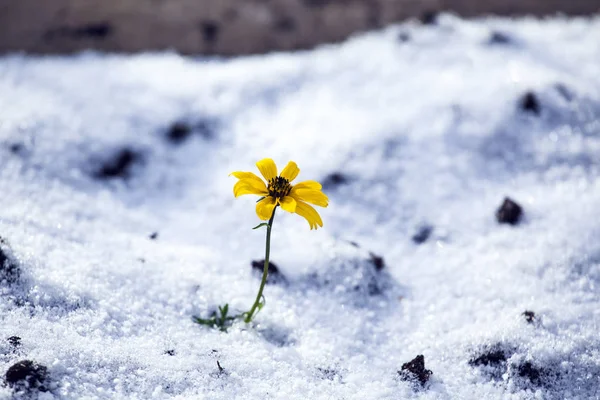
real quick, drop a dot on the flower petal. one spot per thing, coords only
(307, 185)
(309, 213)
(249, 186)
(315, 197)
(291, 171)
(267, 168)
(264, 208)
(246, 175)
(288, 203)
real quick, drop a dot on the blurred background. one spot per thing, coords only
(230, 27)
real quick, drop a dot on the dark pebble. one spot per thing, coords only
(509, 212)
(178, 132)
(530, 103)
(14, 341)
(377, 261)
(530, 372)
(273, 276)
(335, 179)
(119, 165)
(170, 352)
(153, 236)
(499, 38)
(494, 357)
(422, 234)
(9, 270)
(415, 371)
(403, 37)
(27, 374)
(492, 362)
(17, 148)
(529, 316)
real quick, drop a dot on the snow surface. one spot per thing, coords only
(428, 132)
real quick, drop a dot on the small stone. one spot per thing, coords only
(170, 352)
(403, 37)
(415, 371)
(14, 341)
(509, 212)
(273, 276)
(422, 234)
(529, 316)
(120, 165)
(17, 148)
(494, 357)
(27, 374)
(178, 132)
(492, 361)
(181, 131)
(378, 261)
(153, 236)
(335, 179)
(499, 38)
(530, 103)
(530, 372)
(9, 270)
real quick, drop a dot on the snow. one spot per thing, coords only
(427, 132)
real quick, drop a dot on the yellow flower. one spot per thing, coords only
(280, 192)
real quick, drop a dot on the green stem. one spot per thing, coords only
(250, 314)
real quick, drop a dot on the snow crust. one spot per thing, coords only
(428, 132)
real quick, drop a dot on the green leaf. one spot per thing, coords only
(220, 319)
(224, 310)
(260, 225)
(202, 321)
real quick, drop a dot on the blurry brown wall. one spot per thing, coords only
(227, 27)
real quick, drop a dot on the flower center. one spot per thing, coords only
(279, 187)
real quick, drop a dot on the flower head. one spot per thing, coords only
(279, 191)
